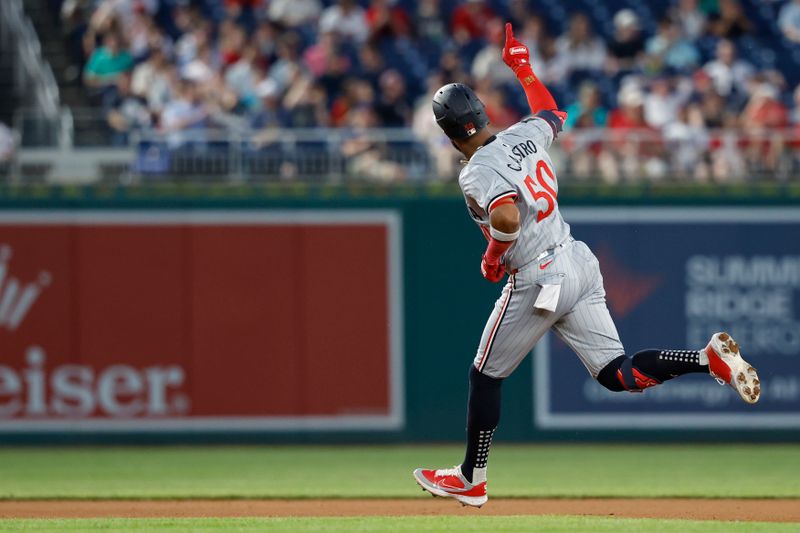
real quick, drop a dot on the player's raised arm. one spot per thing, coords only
(541, 102)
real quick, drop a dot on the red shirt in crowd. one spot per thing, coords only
(471, 18)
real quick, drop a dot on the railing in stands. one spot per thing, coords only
(95, 152)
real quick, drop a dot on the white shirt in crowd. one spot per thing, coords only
(294, 13)
(727, 77)
(352, 24)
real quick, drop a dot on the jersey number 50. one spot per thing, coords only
(547, 192)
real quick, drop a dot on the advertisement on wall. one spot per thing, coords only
(673, 277)
(200, 320)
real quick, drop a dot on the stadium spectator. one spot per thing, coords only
(271, 113)
(107, 62)
(627, 44)
(519, 12)
(151, 80)
(188, 44)
(630, 113)
(445, 159)
(288, 60)
(185, 111)
(355, 94)
(347, 19)
(231, 43)
(317, 56)
(243, 76)
(663, 102)
(127, 112)
(669, 50)
(728, 73)
(429, 22)
(371, 64)
(550, 67)
(488, 63)
(469, 21)
(687, 141)
(690, 20)
(451, 67)
(532, 32)
(307, 103)
(294, 13)
(764, 119)
(789, 20)
(730, 22)
(393, 111)
(386, 20)
(365, 155)
(715, 112)
(764, 110)
(265, 39)
(501, 115)
(579, 49)
(202, 68)
(588, 111)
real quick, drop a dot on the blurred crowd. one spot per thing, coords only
(678, 81)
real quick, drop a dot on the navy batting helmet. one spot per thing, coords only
(458, 111)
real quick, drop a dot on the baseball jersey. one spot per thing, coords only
(515, 164)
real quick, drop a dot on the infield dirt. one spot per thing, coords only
(765, 510)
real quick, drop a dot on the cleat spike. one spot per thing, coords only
(724, 337)
(757, 390)
(740, 377)
(746, 390)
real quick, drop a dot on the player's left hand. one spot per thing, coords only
(515, 54)
(494, 272)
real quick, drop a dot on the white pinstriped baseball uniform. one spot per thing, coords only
(555, 281)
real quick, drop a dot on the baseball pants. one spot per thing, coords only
(579, 316)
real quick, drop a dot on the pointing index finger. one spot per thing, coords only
(509, 33)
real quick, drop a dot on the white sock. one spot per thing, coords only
(702, 357)
(478, 475)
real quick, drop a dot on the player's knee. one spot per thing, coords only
(478, 379)
(621, 374)
(609, 375)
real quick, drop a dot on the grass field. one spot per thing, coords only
(406, 524)
(290, 472)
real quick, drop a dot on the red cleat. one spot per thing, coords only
(451, 483)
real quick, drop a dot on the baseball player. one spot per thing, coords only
(554, 281)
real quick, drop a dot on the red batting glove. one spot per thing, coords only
(494, 272)
(515, 54)
(491, 267)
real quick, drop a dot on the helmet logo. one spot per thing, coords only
(470, 127)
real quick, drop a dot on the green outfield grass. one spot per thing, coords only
(410, 524)
(747, 471)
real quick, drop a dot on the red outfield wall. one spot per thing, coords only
(200, 320)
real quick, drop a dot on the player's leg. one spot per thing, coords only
(590, 331)
(721, 359)
(512, 330)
